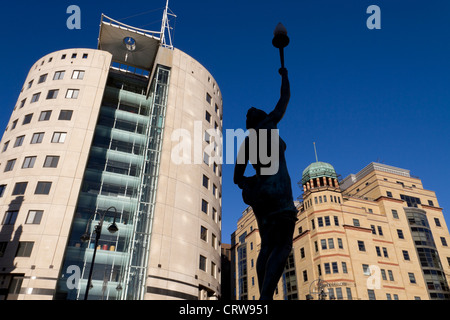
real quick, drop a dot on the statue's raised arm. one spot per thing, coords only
(277, 114)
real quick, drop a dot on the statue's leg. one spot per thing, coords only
(280, 238)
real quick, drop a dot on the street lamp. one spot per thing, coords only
(320, 285)
(98, 231)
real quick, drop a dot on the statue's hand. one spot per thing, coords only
(283, 72)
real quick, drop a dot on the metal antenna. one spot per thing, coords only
(315, 151)
(166, 27)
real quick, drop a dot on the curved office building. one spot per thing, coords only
(123, 136)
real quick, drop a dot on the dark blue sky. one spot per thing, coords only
(362, 95)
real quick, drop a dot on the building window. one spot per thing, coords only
(24, 249)
(5, 146)
(213, 269)
(19, 188)
(385, 252)
(43, 78)
(356, 223)
(213, 240)
(208, 98)
(330, 243)
(430, 203)
(405, 255)
(59, 137)
(3, 246)
(444, 242)
(85, 56)
(361, 246)
(72, 93)
(10, 217)
(400, 234)
(366, 269)
(203, 233)
(27, 119)
(10, 165)
(28, 162)
(340, 244)
(327, 268)
(34, 217)
(394, 214)
(373, 229)
(59, 75)
(78, 74)
(437, 222)
(389, 194)
(344, 267)
(378, 250)
(52, 94)
(74, 55)
(206, 158)
(30, 84)
(204, 206)
(37, 138)
(335, 268)
(320, 222)
(14, 124)
(63, 56)
(43, 187)
(22, 103)
(65, 115)
(380, 230)
(205, 181)
(336, 220)
(412, 278)
(323, 244)
(208, 116)
(35, 97)
(2, 189)
(51, 162)
(202, 263)
(45, 115)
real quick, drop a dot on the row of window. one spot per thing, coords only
(410, 201)
(205, 183)
(42, 187)
(28, 162)
(205, 209)
(212, 269)
(23, 250)
(323, 199)
(58, 137)
(204, 237)
(33, 217)
(58, 75)
(63, 57)
(323, 221)
(51, 95)
(64, 115)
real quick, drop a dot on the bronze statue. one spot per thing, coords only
(269, 195)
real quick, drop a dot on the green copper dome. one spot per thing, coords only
(318, 169)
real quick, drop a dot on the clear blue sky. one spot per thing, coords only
(362, 95)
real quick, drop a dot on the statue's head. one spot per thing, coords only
(254, 117)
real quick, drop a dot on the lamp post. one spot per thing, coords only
(280, 40)
(98, 231)
(320, 286)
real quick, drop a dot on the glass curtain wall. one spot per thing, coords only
(120, 183)
(430, 262)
